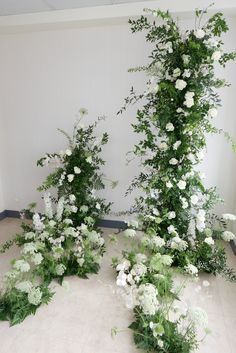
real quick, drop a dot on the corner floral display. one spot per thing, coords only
(180, 103)
(180, 232)
(65, 239)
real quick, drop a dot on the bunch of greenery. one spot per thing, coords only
(146, 282)
(180, 103)
(65, 239)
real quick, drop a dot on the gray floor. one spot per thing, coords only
(80, 321)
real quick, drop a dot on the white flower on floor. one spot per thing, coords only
(60, 269)
(229, 217)
(198, 316)
(170, 127)
(77, 170)
(180, 84)
(35, 296)
(70, 177)
(22, 266)
(227, 235)
(199, 33)
(191, 269)
(182, 184)
(130, 233)
(37, 259)
(24, 286)
(147, 296)
(65, 285)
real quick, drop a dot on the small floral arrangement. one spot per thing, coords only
(180, 103)
(64, 240)
(145, 281)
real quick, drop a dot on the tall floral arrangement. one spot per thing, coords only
(64, 240)
(180, 104)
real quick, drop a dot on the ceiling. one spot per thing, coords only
(16, 7)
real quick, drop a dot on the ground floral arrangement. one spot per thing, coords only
(65, 239)
(175, 232)
(175, 210)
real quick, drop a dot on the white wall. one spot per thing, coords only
(47, 76)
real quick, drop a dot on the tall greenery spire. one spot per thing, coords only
(180, 103)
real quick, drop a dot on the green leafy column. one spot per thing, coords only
(180, 104)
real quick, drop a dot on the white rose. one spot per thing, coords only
(184, 202)
(77, 170)
(194, 199)
(70, 177)
(176, 145)
(68, 152)
(180, 84)
(186, 73)
(209, 241)
(163, 146)
(171, 229)
(216, 55)
(176, 72)
(212, 112)
(169, 185)
(173, 161)
(181, 184)
(171, 215)
(170, 127)
(199, 33)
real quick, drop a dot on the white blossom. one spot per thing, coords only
(21, 265)
(170, 127)
(189, 101)
(130, 233)
(37, 259)
(70, 177)
(176, 72)
(173, 161)
(186, 59)
(212, 112)
(216, 55)
(24, 286)
(180, 84)
(191, 269)
(169, 185)
(171, 215)
(35, 296)
(209, 241)
(147, 296)
(176, 145)
(68, 152)
(186, 73)
(194, 199)
(163, 146)
(227, 235)
(182, 184)
(199, 33)
(60, 269)
(77, 170)
(229, 217)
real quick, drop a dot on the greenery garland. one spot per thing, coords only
(65, 240)
(180, 103)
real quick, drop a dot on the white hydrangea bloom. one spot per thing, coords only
(29, 248)
(77, 170)
(70, 177)
(35, 296)
(216, 55)
(37, 258)
(173, 161)
(130, 233)
(198, 316)
(147, 296)
(22, 266)
(158, 242)
(24, 286)
(163, 146)
(199, 33)
(209, 241)
(60, 269)
(194, 199)
(123, 266)
(178, 244)
(191, 269)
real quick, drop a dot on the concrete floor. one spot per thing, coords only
(80, 320)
